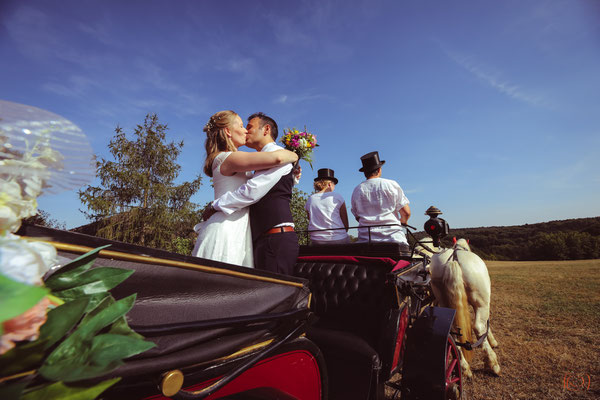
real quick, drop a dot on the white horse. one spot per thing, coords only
(459, 278)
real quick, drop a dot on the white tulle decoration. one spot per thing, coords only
(42, 151)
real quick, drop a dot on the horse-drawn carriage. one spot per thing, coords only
(351, 318)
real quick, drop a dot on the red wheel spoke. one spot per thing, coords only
(453, 375)
(450, 369)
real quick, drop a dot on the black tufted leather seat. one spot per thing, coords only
(349, 296)
(354, 298)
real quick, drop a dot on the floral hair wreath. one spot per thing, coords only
(210, 125)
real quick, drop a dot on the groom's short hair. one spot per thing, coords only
(266, 120)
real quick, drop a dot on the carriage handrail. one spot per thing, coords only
(307, 231)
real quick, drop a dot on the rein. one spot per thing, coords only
(471, 346)
(417, 242)
(426, 247)
(455, 252)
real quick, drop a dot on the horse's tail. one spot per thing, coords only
(457, 298)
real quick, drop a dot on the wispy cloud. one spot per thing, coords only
(413, 190)
(32, 31)
(494, 79)
(76, 86)
(318, 29)
(294, 99)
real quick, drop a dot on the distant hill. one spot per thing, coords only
(569, 239)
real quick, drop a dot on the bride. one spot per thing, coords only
(227, 238)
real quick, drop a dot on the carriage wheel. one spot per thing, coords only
(454, 389)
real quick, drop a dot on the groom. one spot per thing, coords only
(268, 194)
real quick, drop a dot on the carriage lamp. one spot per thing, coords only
(436, 227)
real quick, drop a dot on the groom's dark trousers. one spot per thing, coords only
(276, 252)
(275, 249)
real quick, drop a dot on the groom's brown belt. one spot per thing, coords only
(279, 229)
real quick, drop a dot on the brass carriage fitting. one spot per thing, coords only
(171, 382)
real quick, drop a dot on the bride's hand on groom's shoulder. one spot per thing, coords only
(297, 172)
(208, 212)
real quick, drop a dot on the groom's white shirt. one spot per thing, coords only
(255, 188)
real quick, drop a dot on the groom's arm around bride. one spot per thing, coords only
(268, 194)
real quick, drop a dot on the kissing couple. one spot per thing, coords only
(250, 222)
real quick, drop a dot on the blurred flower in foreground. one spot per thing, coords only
(25, 326)
(25, 261)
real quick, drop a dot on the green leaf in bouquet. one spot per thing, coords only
(65, 276)
(17, 297)
(98, 280)
(120, 326)
(72, 356)
(60, 391)
(94, 299)
(62, 319)
(108, 348)
(22, 358)
(13, 390)
(110, 277)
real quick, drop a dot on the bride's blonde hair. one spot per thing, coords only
(217, 140)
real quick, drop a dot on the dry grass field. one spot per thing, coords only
(546, 318)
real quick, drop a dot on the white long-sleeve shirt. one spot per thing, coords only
(255, 188)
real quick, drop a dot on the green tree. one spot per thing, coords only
(43, 218)
(299, 199)
(550, 246)
(137, 200)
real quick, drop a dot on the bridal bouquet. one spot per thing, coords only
(301, 143)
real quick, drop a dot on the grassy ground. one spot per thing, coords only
(546, 318)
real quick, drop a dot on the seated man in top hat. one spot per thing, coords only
(326, 211)
(379, 201)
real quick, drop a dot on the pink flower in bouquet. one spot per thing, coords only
(25, 326)
(301, 143)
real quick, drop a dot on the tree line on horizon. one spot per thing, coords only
(571, 239)
(139, 202)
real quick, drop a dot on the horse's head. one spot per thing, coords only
(462, 244)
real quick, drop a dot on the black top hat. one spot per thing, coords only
(326, 173)
(370, 162)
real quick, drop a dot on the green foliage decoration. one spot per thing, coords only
(84, 338)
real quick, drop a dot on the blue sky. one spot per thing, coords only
(489, 110)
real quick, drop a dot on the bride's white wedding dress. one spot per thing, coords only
(225, 238)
